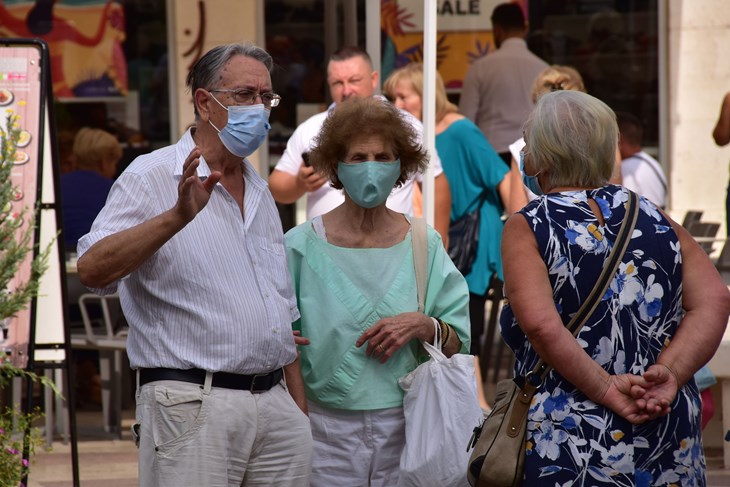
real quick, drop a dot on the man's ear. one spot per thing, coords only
(201, 99)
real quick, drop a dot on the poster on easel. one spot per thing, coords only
(23, 103)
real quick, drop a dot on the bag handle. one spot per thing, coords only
(420, 258)
(420, 263)
(435, 350)
(610, 266)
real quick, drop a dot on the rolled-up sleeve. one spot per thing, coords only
(128, 205)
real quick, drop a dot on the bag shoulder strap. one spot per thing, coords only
(420, 258)
(610, 266)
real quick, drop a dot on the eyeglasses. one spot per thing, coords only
(248, 97)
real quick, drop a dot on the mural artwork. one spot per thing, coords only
(464, 35)
(84, 38)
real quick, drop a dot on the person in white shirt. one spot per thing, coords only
(350, 74)
(191, 238)
(497, 90)
(641, 173)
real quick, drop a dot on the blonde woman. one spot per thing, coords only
(84, 190)
(552, 78)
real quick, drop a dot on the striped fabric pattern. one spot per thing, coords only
(217, 295)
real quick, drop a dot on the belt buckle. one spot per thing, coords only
(253, 388)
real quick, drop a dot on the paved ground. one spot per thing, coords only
(105, 462)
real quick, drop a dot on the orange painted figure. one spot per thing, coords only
(84, 43)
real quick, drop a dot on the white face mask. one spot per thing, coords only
(246, 129)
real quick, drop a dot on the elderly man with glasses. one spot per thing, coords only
(191, 239)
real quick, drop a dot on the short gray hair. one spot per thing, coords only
(573, 138)
(205, 73)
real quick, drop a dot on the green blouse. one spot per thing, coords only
(343, 291)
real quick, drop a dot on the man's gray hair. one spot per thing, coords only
(572, 137)
(205, 73)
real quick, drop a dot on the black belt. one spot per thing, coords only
(252, 383)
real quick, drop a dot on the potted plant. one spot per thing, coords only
(16, 427)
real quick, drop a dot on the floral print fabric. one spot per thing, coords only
(571, 441)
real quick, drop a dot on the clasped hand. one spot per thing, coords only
(641, 398)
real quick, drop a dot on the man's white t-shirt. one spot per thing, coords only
(644, 175)
(328, 198)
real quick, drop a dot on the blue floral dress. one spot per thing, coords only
(570, 439)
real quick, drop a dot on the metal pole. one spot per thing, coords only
(262, 153)
(372, 36)
(349, 12)
(664, 113)
(172, 71)
(330, 28)
(429, 103)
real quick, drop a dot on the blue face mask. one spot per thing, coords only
(369, 183)
(530, 181)
(246, 128)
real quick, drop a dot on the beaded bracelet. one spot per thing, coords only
(445, 333)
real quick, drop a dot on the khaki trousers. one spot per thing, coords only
(192, 435)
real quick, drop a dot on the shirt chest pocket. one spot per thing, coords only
(269, 260)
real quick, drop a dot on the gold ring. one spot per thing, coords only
(380, 348)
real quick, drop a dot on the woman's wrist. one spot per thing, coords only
(442, 330)
(599, 388)
(671, 371)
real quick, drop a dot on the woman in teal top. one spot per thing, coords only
(354, 278)
(476, 174)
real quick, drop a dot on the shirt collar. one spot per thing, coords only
(187, 143)
(182, 151)
(513, 42)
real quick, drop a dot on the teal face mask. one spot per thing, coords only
(368, 183)
(529, 181)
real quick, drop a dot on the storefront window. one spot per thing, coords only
(612, 43)
(119, 84)
(300, 36)
(295, 37)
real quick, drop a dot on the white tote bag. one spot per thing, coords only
(441, 408)
(440, 404)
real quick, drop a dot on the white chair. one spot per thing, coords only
(110, 344)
